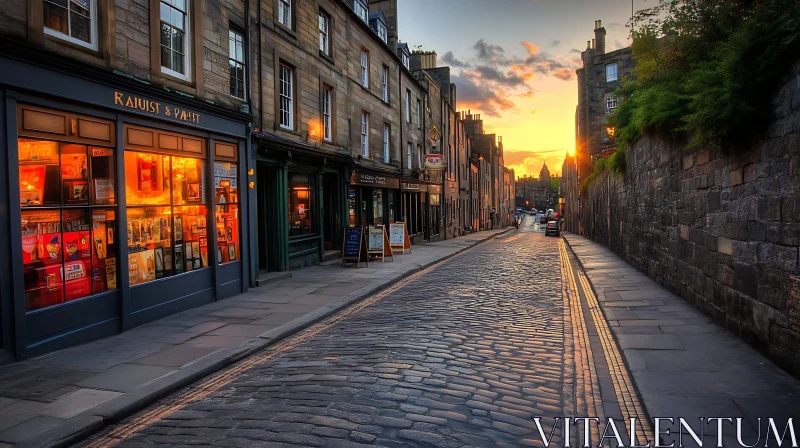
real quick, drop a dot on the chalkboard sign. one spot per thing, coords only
(352, 247)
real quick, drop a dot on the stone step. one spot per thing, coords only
(271, 277)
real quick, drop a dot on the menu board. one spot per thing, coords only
(375, 239)
(397, 233)
(352, 242)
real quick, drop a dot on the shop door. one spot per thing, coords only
(331, 211)
(265, 194)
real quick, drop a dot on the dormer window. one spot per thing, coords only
(361, 10)
(406, 61)
(382, 33)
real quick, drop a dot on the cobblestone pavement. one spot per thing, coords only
(464, 354)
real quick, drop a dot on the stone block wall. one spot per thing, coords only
(721, 231)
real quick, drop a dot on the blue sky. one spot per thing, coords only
(514, 61)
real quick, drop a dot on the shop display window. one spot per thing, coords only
(377, 206)
(353, 205)
(69, 245)
(226, 213)
(301, 204)
(167, 230)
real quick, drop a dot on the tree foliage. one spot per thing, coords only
(707, 69)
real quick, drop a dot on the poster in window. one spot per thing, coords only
(145, 174)
(149, 260)
(204, 255)
(188, 251)
(220, 231)
(197, 264)
(193, 192)
(31, 184)
(203, 242)
(76, 191)
(195, 250)
(110, 233)
(219, 253)
(103, 189)
(178, 259)
(100, 248)
(73, 166)
(178, 229)
(232, 251)
(111, 273)
(159, 262)
(194, 231)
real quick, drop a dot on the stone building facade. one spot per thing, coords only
(722, 231)
(124, 145)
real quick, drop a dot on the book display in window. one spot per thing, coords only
(66, 252)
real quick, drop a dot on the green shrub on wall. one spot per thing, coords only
(707, 69)
(616, 164)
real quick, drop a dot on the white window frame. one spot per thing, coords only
(383, 32)
(232, 33)
(285, 13)
(327, 113)
(406, 61)
(408, 106)
(324, 35)
(286, 94)
(364, 68)
(386, 135)
(615, 72)
(361, 11)
(187, 37)
(385, 83)
(364, 134)
(611, 103)
(408, 155)
(419, 114)
(92, 45)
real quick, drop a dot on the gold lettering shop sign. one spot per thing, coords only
(153, 107)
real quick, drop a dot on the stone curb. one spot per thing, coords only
(91, 421)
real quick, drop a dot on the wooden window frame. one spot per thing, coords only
(194, 63)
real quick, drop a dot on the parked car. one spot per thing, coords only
(543, 219)
(552, 228)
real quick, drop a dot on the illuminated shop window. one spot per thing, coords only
(226, 211)
(167, 229)
(69, 246)
(301, 204)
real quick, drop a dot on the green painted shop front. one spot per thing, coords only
(301, 204)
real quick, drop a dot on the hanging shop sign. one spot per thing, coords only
(434, 161)
(434, 135)
(373, 180)
(413, 187)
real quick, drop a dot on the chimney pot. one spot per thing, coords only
(593, 44)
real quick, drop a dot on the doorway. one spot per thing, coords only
(266, 192)
(331, 211)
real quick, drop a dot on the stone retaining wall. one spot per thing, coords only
(721, 231)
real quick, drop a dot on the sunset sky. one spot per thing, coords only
(514, 61)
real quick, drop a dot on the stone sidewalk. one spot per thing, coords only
(683, 364)
(54, 398)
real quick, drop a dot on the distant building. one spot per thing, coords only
(599, 77)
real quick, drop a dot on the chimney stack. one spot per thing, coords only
(593, 44)
(599, 37)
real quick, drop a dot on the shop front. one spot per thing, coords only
(301, 206)
(434, 224)
(373, 199)
(129, 208)
(414, 199)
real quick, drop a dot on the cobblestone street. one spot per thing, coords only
(466, 353)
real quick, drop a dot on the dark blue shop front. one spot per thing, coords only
(132, 206)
